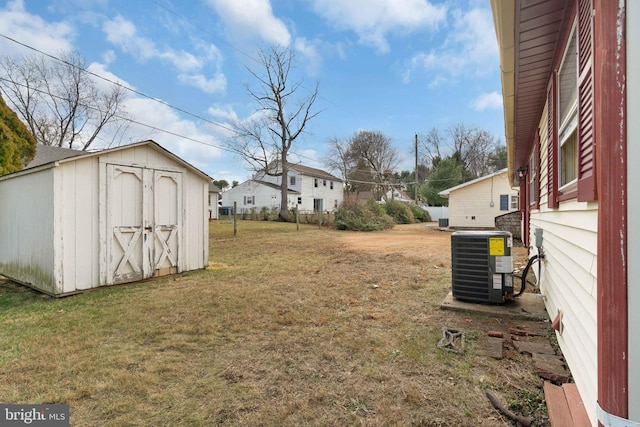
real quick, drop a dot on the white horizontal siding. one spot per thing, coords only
(569, 277)
(328, 195)
(265, 196)
(470, 206)
(269, 197)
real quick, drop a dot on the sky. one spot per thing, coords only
(400, 67)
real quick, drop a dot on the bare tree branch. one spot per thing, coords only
(59, 102)
(264, 143)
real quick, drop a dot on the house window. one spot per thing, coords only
(514, 202)
(324, 182)
(299, 200)
(504, 202)
(249, 200)
(315, 182)
(568, 114)
(331, 185)
(292, 180)
(335, 204)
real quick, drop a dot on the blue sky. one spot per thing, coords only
(400, 67)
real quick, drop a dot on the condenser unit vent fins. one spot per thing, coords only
(480, 263)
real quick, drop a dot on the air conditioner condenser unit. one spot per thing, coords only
(482, 266)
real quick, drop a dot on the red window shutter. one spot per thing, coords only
(586, 140)
(536, 171)
(552, 145)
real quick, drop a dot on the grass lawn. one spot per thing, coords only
(285, 328)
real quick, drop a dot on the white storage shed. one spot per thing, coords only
(75, 220)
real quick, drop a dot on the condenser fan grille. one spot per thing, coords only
(474, 256)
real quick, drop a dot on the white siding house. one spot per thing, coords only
(214, 198)
(101, 218)
(570, 79)
(477, 203)
(310, 190)
(398, 195)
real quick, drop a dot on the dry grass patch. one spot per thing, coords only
(285, 327)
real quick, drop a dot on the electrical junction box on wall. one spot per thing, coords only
(481, 266)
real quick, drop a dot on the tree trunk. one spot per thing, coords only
(284, 189)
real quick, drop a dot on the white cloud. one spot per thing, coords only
(123, 33)
(252, 18)
(215, 85)
(32, 30)
(469, 49)
(487, 101)
(373, 20)
(223, 112)
(197, 145)
(109, 56)
(312, 59)
(101, 70)
(308, 157)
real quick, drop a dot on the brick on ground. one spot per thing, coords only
(492, 347)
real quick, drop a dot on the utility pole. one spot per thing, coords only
(415, 184)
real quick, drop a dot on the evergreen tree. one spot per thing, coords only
(17, 145)
(446, 173)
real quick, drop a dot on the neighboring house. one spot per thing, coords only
(73, 220)
(477, 203)
(398, 195)
(571, 91)
(309, 189)
(214, 197)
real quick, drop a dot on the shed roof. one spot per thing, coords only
(445, 193)
(57, 155)
(47, 154)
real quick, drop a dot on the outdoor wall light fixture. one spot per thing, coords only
(522, 172)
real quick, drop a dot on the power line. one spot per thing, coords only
(119, 84)
(130, 120)
(145, 96)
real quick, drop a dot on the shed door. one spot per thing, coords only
(143, 223)
(167, 208)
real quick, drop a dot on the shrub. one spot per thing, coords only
(400, 212)
(420, 214)
(362, 216)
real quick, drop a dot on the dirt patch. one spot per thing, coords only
(421, 241)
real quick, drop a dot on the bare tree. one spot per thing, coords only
(338, 159)
(367, 161)
(472, 147)
(378, 154)
(432, 143)
(281, 117)
(59, 101)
